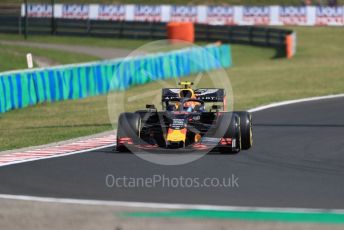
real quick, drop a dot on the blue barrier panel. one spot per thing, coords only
(19, 89)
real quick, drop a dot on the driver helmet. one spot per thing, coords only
(187, 93)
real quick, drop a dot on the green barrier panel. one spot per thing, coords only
(19, 89)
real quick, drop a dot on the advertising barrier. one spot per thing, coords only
(19, 89)
(212, 15)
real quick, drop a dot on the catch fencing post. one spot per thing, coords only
(52, 16)
(26, 19)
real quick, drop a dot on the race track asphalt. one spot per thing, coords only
(297, 161)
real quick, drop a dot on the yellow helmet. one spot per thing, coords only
(186, 91)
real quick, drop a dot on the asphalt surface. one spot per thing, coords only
(297, 161)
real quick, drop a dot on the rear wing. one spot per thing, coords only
(204, 94)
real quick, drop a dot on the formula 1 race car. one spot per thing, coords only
(190, 119)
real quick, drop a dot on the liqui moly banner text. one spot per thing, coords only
(254, 15)
(147, 13)
(40, 11)
(290, 15)
(111, 12)
(75, 11)
(219, 15)
(332, 16)
(183, 13)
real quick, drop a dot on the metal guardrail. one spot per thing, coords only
(252, 35)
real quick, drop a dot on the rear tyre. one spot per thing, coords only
(231, 122)
(246, 129)
(129, 126)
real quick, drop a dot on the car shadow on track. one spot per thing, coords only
(301, 125)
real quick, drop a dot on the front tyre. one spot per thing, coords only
(128, 130)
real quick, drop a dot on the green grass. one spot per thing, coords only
(47, 123)
(317, 69)
(14, 57)
(85, 41)
(11, 60)
(232, 2)
(257, 78)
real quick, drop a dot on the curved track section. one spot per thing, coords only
(297, 161)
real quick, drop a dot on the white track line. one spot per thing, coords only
(176, 206)
(282, 103)
(166, 205)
